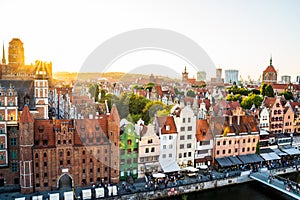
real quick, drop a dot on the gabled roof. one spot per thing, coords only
(167, 125)
(269, 101)
(114, 115)
(270, 69)
(203, 133)
(26, 117)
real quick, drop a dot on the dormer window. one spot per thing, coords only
(10, 94)
(41, 129)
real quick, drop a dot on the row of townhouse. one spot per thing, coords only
(279, 116)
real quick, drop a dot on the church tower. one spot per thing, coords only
(113, 134)
(26, 141)
(41, 90)
(16, 57)
(185, 75)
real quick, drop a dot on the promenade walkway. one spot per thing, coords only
(283, 185)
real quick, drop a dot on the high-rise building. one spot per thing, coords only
(298, 79)
(201, 76)
(269, 74)
(286, 79)
(231, 76)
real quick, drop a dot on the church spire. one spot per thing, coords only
(3, 55)
(271, 61)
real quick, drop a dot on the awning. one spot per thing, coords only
(235, 160)
(68, 196)
(228, 161)
(191, 169)
(278, 152)
(159, 175)
(291, 151)
(38, 197)
(86, 194)
(224, 162)
(250, 158)
(270, 156)
(170, 166)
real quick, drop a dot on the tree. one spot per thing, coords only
(149, 86)
(236, 97)
(287, 95)
(190, 93)
(269, 91)
(251, 99)
(94, 91)
(150, 109)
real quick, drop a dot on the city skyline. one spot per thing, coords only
(249, 33)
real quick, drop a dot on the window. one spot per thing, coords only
(152, 149)
(129, 142)
(98, 170)
(36, 164)
(248, 140)
(229, 141)
(244, 141)
(83, 171)
(128, 151)
(180, 155)
(129, 161)
(164, 156)
(253, 140)
(183, 120)
(1, 157)
(224, 151)
(45, 174)
(218, 152)
(147, 150)
(14, 154)
(189, 120)
(224, 142)
(181, 146)
(190, 128)
(229, 150)
(182, 137)
(61, 162)
(184, 155)
(83, 152)
(60, 153)
(45, 164)
(189, 145)
(68, 162)
(45, 155)
(189, 137)
(253, 148)
(91, 159)
(218, 143)
(13, 141)
(150, 141)
(37, 175)
(248, 149)
(164, 146)
(170, 137)
(83, 160)
(45, 184)
(243, 149)
(91, 170)
(182, 128)
(170, 146)
(45, 142)
(235, 150)
(68, 153)
(14, 167)
(170, 155)
(189, 154)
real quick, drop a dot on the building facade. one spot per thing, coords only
(269, 74)
(231, 76)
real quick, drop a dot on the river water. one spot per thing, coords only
(246, 191)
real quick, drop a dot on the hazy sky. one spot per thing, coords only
(236, 34)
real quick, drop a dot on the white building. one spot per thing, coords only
(149, 151)
(231, 76)
(168, 142)
(264, 120)
(204, 145)
(186, 126)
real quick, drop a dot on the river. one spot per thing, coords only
(246, 191)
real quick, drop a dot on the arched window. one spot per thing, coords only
(45, 155)
(36, 155)
(68, 153)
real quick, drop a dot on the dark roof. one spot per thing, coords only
(24, 88)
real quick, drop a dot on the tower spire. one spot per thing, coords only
(271, 60)
(3, 55)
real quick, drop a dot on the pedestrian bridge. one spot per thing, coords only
(277, 183)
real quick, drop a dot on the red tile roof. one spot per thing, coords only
(114, 115)
(167, 125)
(203, 133)
(26, 117)
(270, 69)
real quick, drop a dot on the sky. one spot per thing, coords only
(236, 34)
